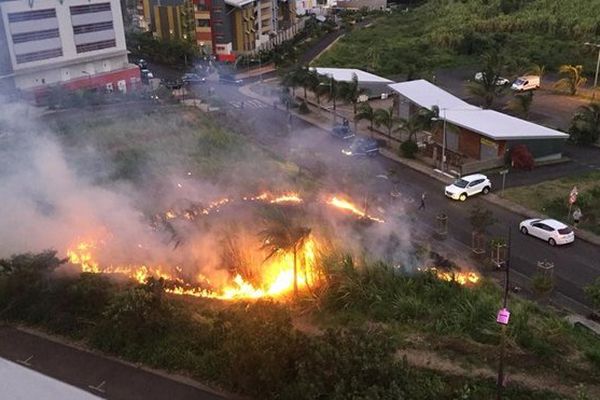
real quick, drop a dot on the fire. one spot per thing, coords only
(347, 205)
(287, 198)
(277, 274)
(462, 278)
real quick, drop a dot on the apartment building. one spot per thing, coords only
(79, 44)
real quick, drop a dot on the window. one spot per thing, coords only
(203, 23)
(38, 55)
(32, 15)
(90, 8)
(96, 27)
(104, 44)
(31, 36)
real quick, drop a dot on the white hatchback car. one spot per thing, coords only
(549, 230)
(468, 186)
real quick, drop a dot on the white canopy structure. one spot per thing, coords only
(489, 123)
(20, 383)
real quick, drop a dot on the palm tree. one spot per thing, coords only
(521, 103)
(385, 117)
(351, 92)
(572, 78)
(333, 92)
(488, 88)
(585, 126)
(313, 83)
(283, 234)
(366, 112)
(412, 125)
(538, 70)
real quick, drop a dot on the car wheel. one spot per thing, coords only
(486, 190)
(462, 197)
(552, 242)
(524, 231)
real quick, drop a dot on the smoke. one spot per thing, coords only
(50, 199)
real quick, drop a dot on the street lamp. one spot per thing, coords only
(596, 45)
(443, 138)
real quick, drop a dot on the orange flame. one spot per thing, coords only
(347, 205)
(460, 277)
(277, 274)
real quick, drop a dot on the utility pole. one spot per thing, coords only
(444, 143)
(596, 45)
(502, 318)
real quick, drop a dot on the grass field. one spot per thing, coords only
(550, 198)
(444, 33)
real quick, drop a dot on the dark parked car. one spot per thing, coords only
(193, 79)
(230, 80)
(362, 147)
(172, 83)
(342, 131)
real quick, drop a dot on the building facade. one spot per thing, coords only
(78, 44)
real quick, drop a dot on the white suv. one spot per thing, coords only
(468, 186)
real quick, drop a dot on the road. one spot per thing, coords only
(112, 379)
(575, 265)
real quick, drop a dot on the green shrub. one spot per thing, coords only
(408, 149)
(303, 108)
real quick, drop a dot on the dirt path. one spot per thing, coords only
(433, 361)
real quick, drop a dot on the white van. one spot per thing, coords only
(528, 82)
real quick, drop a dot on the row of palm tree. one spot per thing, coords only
(424, 119)
(320, 85)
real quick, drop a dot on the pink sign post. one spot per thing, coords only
(503, 316)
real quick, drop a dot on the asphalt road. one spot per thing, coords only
(112, 380)
(576, 265)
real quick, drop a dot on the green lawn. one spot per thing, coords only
(550, 198)
(452, 33)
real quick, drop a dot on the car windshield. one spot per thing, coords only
(461, 183)
(519, 82)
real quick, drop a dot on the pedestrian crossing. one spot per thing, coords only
(251, 104)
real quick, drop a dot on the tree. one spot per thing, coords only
(351, 92)
(313, 83)
(572, 78)
(488, 88)
(481, 219)
(521, 103)
(585, 125)
(412, 125)
(293, 79)
(385, 117)
(366, 112)
(593, 293)
(283, 234)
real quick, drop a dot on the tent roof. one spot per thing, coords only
(489, 123)
(345, 75)
(19, 382)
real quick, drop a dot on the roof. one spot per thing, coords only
(553, 223)
(345, 74)
(489, 123)
(427, 95)
(238, 3)
(19, 382)
(473, 177)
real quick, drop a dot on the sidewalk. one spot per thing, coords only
(317, 119)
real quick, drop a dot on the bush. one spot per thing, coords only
(303, 108)
(522, 158)
(408, 149)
